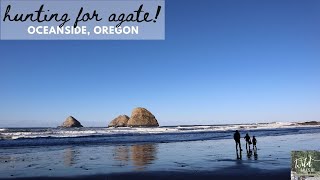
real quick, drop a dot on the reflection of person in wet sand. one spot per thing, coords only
(255, 154)
(236, 137)
(239, 155)
(143, 154)
(249, 154)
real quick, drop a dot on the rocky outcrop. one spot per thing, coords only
(71, 122)
(120, 121)
(142, 117)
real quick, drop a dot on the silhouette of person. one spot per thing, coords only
(236, 137)
(248, 141)
(254, 142)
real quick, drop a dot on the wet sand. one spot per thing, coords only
(181, 160)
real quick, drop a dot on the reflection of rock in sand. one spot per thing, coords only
(143, 154)
(69, 157)
(122, 154)
(140, 154)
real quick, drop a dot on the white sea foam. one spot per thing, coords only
(81, 132)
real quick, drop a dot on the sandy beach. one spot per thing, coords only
(205, 159)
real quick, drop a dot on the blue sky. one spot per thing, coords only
(223, 61)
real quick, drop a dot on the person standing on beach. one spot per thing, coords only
(254, 142)
(248, 141)
(236, 137)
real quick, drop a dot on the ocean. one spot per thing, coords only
(11, 137)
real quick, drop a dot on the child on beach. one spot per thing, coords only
(248, 141)
(254, 142)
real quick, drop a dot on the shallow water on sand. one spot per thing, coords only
(193, 156)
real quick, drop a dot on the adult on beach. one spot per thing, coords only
(236, 137)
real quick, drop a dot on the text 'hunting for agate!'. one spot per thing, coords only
(44, 15)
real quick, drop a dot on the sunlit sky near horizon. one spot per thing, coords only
(223, 61)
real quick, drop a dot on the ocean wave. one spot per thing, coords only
(29, 133)
(18, 133)
(3, 129)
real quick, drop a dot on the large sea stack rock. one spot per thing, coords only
(71, 122)
(120, 121)
(142, 117)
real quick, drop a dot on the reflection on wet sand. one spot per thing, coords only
(239, 155)
(141, 155)
(121, 154)
(255, 154)
(249, 154)
(69, 157)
